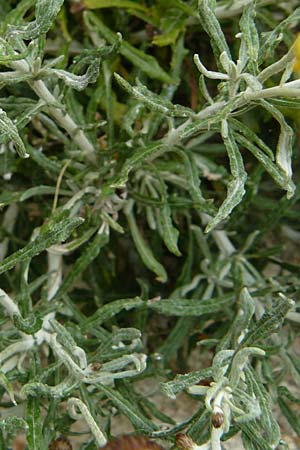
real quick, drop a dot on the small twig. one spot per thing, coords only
(58, 183)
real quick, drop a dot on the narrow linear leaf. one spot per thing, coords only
(171, 25)
(284, 392)
(284, 147)
(98, 4)
(4, 382)
(16, 14)
(181, 382)
(235, 189)
(43, 161)
(133, 162)
(108, 311)
(88, 255)
(145, 251)
(61, 390)
(276, 35)
(45, 12)
(14, 77)
(269, 322)
(78, 82)
(41, 190)
(176, 337)
(237, 125)
(214, 115)
(190, 307)
(30, 325)
(138, 420)
(275, 172)
(289, 414)
(144, 62)
(154, 101)
(268, 422)
(57, 233)
(34, 421)
(12, 424)
(212, 26)
(252, 438)
(10, 132)
(170, 233)
(250, 35)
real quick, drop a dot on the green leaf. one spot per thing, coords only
(59, 391)
(190, 307)
(275, 36)
(136, 160)
(284, 147)
(10, 132)
(289, 414)
(53, 234)
(34, 421)
(45, 13)
(30, 325)
(145, 251)
(16, 14)
(275, 172)
(125, 4)
(43, 161)
(12, 424)
(144, 62)
(235, 188)
(240, 323)
(87, 256)
(270, 321)
(108, 311)
(4, 381)
(176, 337)
(172, 25)
(250, 36)
(78, 82)
(181, 382)
(170, 233)
(153, 101)
(129, 409)
(267, 420)
(212, 26)
(13, 77)
(253, 439)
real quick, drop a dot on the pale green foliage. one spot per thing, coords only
(146, 173)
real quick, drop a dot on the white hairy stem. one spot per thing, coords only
(9, 305)
(62, 117)
(74, 403)
(8, 223)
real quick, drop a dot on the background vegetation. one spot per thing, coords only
(149, 212)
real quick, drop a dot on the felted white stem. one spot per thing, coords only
(63, 118)
(18, 347)
(215, 438)
(8, 223)
(55, 262)
(208, 73)
(63, 356)
(74, 403)
(9, 305)
(108, 375)
(173, 136)
(220, 237)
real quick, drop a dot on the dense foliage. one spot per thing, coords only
(149, 212)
